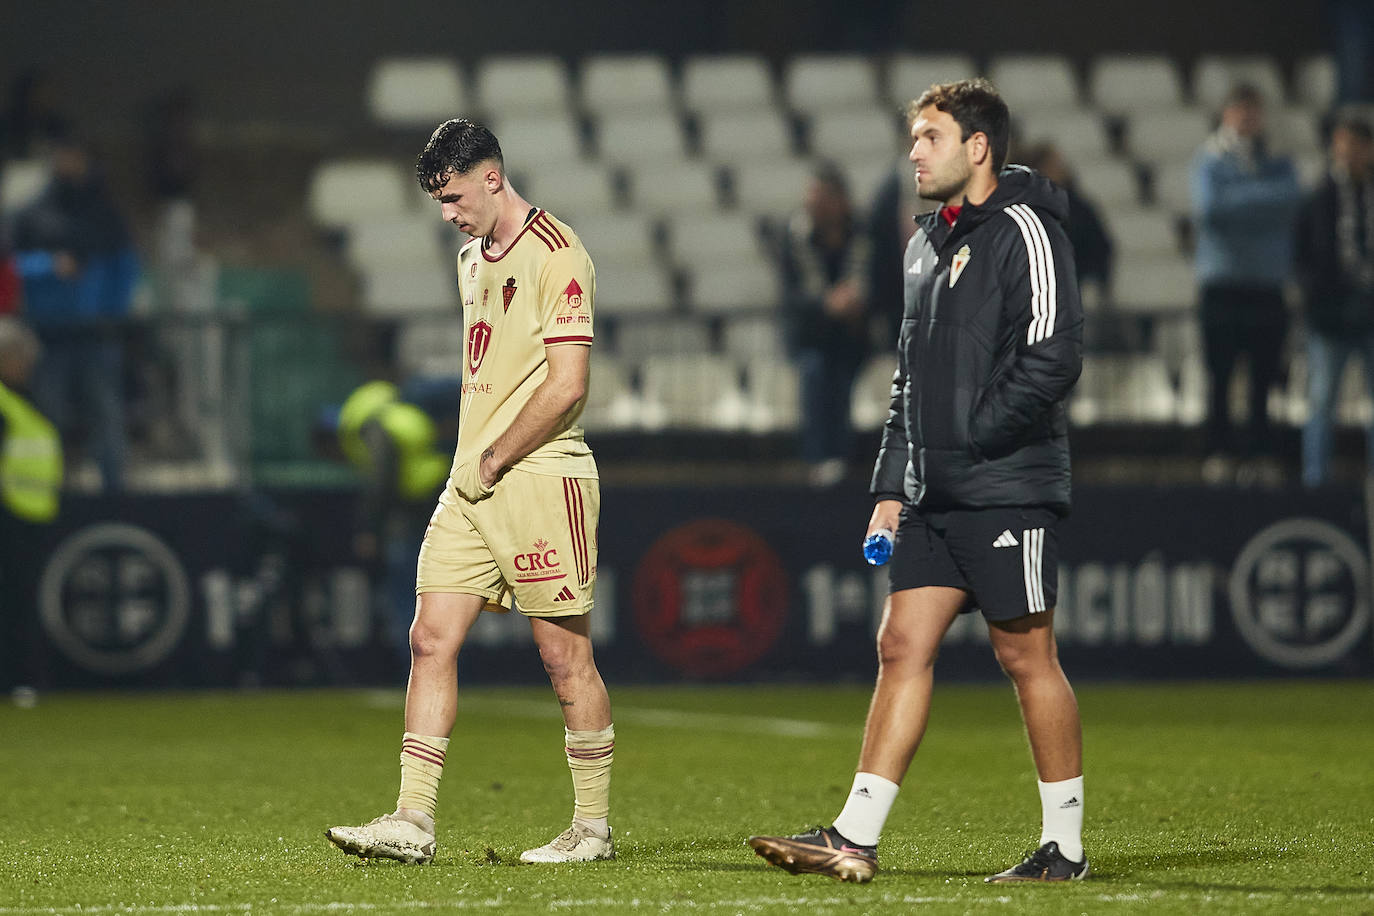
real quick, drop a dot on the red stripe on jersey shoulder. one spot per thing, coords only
(552, 228)
(542, 232)
(581, 338)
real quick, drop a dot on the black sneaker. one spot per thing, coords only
(821, 852)
(1044, 864)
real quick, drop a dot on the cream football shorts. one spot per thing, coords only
(533, 538)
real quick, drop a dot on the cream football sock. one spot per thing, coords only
(422, 763)
(589, 758)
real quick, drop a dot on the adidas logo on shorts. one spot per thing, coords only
(1006, 539)
(565, 595)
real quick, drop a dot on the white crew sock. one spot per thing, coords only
(1061, 813)
(866, 809)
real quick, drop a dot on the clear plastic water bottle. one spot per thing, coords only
(878, 547)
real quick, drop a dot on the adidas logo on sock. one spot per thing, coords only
(863, 792)
(1071, 803)
(1006, 539)
(565, 595)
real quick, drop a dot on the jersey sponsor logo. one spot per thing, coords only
(1006, 539)
(538, 565)
(915, 269)
(961, 259)
(572, 294)
(507, 294)
(472, 274)
(564, 594)
(479, 338)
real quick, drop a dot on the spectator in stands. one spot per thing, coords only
(30, 485)
(79, 268)
(1352, 32)
(1092, 245)
(1244, 200)
(1335, 264)
(32, 121)
(824, 266)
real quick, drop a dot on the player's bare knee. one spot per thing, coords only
(429, 641)
(897, 649)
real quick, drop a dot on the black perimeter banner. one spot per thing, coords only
(710, 584)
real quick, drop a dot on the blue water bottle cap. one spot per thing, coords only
(878, 547)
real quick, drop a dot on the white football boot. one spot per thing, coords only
(576, 844)
(388, 837)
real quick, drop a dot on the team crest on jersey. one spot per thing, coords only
(957, 266)
(479, 338)
(507, 294)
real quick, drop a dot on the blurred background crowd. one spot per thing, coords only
(216, 238)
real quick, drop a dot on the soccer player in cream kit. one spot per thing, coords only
(518, 517)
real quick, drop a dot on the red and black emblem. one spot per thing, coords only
(507, 294)
(479, 338)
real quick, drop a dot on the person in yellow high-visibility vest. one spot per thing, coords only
(394, 445)
(30, 491)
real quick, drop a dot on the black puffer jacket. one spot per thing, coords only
(990, 345)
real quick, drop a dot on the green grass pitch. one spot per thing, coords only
(1223, 798)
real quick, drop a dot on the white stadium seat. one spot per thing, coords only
(859, 132)
(21, 180)
(527, 140)
(829, 82)
(1168, 136)
(772, 391)
(1123, 83)
(611, 400)
(1314, 82)
(909, 75)
(351, 191)
(726, 83)
(1214, 76)
(415, 91)
(1078, 133)
(1154, 285)
(646, 136)
(405, 290)
(526, 85)
(658, 336)
(570, 190)
(1031, 81)
(421, 241)
(701, 240)
(1141, 231)
(872, 392)
(772, 189)
(694, 390)
(626, 84)
(1108, 182)
(732, 136)
(430, 345)
(618, 237)
(740, 286)
(658, 189)
(753, 337)
(632, 287)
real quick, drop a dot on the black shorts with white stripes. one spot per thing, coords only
(1007, 559)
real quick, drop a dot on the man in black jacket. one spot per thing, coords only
(1335, 262)
(972, 475)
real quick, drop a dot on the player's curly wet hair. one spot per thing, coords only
(977, 107)
(456, 147)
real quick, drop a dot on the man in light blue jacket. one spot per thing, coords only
(1245, 199)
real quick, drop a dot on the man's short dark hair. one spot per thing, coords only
(1244, 94)
(456, 147)
(977, 107)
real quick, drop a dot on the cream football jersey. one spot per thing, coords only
(537, 294)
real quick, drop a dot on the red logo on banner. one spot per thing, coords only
(479, 338)
(573, 294)
(710, 598)
(507, 294)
